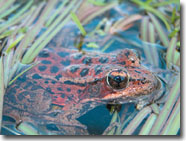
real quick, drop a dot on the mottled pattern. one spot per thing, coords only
(72, 80)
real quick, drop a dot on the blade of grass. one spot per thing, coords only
(148, 124)
(78, 23)
(102, 10)
(132, 126)
(26, 58)
(144, 29)
(119, 25)
(15, 43)
(9, 32)
(15, 21)
(113, 120)
(162, 117)
(9, 11)
(21, 73)
(107, 45)
(170, 126)
(34, 15)
(170, 51)
(97, 3)
(1, 89)
(162, 35)
(164, 3)
(5, 5)
(154, 11)
(27, 129)
(16, 16)
(31, 55)
(54, 15)
(30, 36)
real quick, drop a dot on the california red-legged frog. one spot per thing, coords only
(67, 83)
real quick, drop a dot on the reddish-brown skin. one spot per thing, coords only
(69, 79)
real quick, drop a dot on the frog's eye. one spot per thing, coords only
(117, 79)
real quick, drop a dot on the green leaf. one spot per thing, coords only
(78, 23)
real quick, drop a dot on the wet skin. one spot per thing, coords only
(66, 84)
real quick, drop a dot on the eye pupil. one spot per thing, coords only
(117, 79)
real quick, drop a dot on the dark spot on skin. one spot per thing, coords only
(78, 56)
(59, 89)
(36, 76)
(54, 69)
(79, 91)
(103, 60)
(35, 87)
(46, 62)
(73, 69)
(62, 95)
(84, 72)
(28, 84)
(137, 71)
(98, 69)
(87, 60)
(53, 82)
(63, 54)
(46, 82)
(68, 89)
(22, 78)
(73, 83)
(42, 68)
(58, 76)
(127, 54)
(66, 62)
(123, 63)
(49, 90)
(44, 54)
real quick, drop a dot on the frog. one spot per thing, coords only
(67, 83)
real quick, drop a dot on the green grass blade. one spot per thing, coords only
(136, 121)
(17, 17)
(170, 51)
(154, 11)
(33, 51)
(107, 45)
(27, 129)
(53, 16)
(9, 11)
(15, 43)
(97, 3)
(26, 58)
(164, 3)
(78, 23)
(21, 73)
(1, 89)
(148, 124)
(162, 118)
(30, 36)
(97, 13)
(162, 35)
(114, 119)
(173, 124)
(5, 5)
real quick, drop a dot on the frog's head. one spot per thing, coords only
(122, 83)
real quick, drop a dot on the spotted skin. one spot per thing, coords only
(72, 80)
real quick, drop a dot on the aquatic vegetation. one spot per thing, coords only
(152, 27)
